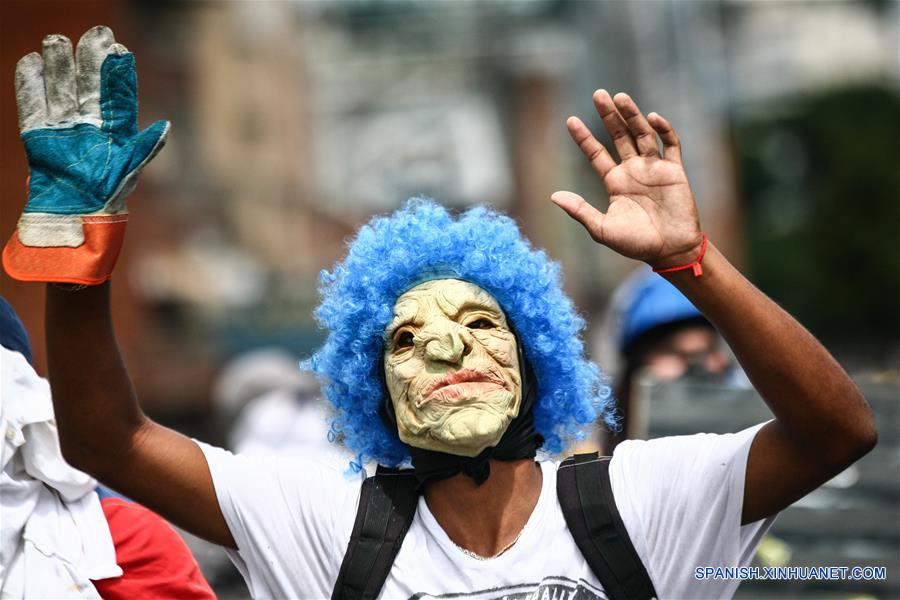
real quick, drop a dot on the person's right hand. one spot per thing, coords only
(78, 120)
(652, 214)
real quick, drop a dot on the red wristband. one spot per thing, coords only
(698, 270)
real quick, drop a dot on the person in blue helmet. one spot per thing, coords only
(655, 329)
(654, 310)
(451, 347)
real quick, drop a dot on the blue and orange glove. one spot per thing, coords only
(78, 119)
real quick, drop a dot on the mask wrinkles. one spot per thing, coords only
(451, 368)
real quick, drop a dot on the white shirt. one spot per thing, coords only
(679, 497)
(54, 537)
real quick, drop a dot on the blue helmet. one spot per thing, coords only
(652, 302)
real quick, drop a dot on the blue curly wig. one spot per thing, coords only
(422, 241)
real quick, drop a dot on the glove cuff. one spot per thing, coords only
(90, 263)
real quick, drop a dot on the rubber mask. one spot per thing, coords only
(451, 367)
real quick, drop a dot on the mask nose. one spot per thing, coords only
(445, 342)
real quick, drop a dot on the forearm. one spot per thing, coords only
(822, 423)
(96, 409)
(807, 390)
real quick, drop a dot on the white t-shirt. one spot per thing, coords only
(679, 497)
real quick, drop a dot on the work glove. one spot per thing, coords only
(78, 119)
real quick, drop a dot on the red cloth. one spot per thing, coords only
(156, 561)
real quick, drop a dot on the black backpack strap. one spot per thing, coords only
(387, 505)
(586, 497)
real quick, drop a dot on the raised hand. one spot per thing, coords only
(652, 215)
(78, 120)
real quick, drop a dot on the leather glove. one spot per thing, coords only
(78, 120)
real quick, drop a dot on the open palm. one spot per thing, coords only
(652, 215)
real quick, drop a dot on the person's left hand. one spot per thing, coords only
(652, 215)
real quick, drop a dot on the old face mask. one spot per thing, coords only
(451, 367)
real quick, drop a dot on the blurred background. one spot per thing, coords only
(294, 122)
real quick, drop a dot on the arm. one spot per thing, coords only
(102, 430)
(78, 118)
(822, 423)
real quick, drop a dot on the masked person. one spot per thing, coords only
(451, 345)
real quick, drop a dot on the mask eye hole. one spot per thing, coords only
(481, 324)
(404, 340)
